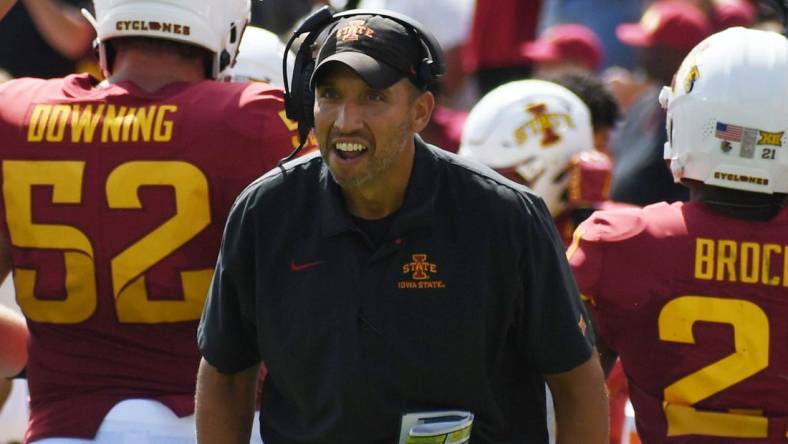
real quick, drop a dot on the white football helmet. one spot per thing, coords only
(216, 25)
(260, 58)
(726, 112)
(533, 128)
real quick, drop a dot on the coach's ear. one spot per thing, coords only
(423, 105)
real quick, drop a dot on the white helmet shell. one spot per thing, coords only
(533, 127)
(216, 25)
(726, 112)
(260, 58)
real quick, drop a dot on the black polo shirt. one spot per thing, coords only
(464, 305)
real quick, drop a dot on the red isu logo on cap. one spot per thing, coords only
(354, 30)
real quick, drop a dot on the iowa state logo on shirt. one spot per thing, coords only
(419, 274)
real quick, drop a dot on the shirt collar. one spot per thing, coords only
(416, 210)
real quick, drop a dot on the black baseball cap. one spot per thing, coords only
(382, 51)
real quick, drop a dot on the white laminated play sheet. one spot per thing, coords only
(437, 427)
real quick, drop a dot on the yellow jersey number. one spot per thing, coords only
(751, 355)
(128, 268)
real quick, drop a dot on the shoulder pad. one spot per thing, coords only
(614, 225)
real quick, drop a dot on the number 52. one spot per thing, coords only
(128, 267)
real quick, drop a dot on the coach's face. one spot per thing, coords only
(362, 131)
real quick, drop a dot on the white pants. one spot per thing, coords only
(550, 414)
(142, 421)
(14, 414)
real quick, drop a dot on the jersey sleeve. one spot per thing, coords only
(586, 254)
(553, 320)
(585, 257)
(227, 334)
(264, 113)
(598, 256)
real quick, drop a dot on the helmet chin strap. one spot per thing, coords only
(777, 204)
(739, 210)
(736, 203)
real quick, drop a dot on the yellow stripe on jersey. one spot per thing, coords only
(575, 242)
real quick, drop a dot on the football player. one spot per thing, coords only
(539, 133)
(114, 196)
(692, 296)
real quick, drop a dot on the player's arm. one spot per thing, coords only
(5, 6)
(62, 26)
(225, 404)
(13, 328)
(581, 406)
(13, 346)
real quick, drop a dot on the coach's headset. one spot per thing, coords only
(299, 94)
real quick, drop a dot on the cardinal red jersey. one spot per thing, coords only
(696, 305)
(114, 200)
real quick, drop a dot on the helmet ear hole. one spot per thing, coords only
(233, 34)
(670, 131)
(224, 60)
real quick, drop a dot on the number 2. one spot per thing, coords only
(751, 342)
(132, 304)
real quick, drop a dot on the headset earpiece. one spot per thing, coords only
(425, 75)
(298, 93)
(308, 102)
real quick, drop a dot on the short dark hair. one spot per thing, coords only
(603, 106)
(183, 50)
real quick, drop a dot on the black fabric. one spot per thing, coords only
(376, 230)
(640, 173)
(465, 304)
(24, 53)
(279, 16)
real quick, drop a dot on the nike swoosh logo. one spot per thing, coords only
(301, 267)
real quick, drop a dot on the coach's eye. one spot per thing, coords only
(376, 96)
(327, 93)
